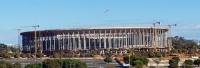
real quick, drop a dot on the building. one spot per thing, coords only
(101, 39)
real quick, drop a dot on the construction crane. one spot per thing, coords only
(35, 37)
(98, 18)
(170, 27)
(18, 34)
(155, 35)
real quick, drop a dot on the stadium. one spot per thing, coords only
(100, 39)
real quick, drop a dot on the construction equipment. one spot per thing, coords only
(170, 27)
(35, 36)
(18, 34)
(97, 19)
(155, 35)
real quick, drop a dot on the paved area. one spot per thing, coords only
(98, 63)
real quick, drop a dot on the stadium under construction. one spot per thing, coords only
(115, 39)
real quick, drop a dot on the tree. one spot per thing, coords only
(173, 63)
(68, 63)
(81, 65)
(108, 59)
(177, 59)
(17, 65)
(6, 64)
(141, 58)
(189, 63)
(137, 64)
(197, 62)
(50, 64)
(126, 59)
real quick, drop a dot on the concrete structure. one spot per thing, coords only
(94, 38)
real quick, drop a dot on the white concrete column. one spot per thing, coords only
(79, 41)
(99, 38)
(109, 39)
(89, 40)
(105, 39)
(84, 40)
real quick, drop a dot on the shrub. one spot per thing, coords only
(56, 55)
(40, 55)
(158, 54)
(17, 65)
(151, 54)
(173, 63)
(197, 62)
(126, 59)
(35, 65)
(137, 63)
(50, 64)
(17, 55)
(3, 66)
(28, 55)
(8, 64)
(108, 59)
(177, 59)
(23, 55)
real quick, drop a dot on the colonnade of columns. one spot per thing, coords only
(96, 39)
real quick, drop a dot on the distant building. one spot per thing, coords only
(94, 38)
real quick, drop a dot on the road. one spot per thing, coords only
(92, 63)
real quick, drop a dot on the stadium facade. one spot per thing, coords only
(94, 38)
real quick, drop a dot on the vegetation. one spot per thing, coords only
(183, 45)
(17, 65)
(157, 61)
(136, 61)
(108, 59)
(188, 64)
(39, 55)
(126, 59)
(56, 55)
(137, 64)
(197, 62)
(173, 63)
(5, 64)
(34, 65)
(58, 63)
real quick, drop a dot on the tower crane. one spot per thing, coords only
(170, 27)
(35, 37)
(155, 34)
(35, 34)
(18, 34)
(98, 18)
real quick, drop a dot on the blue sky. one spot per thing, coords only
(61, 14)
